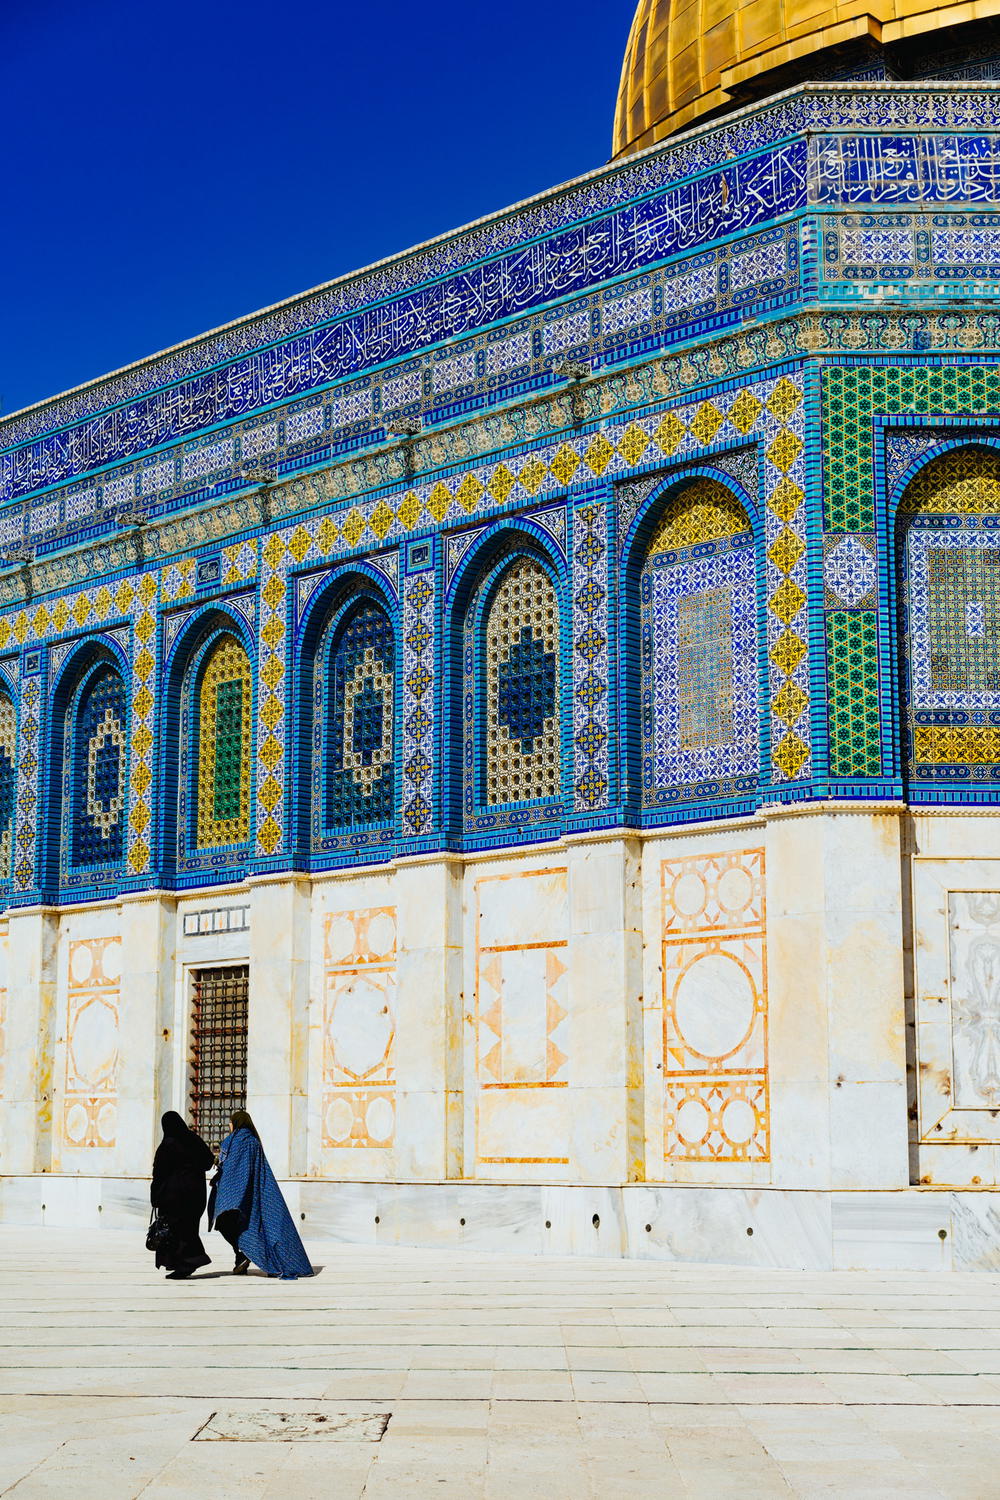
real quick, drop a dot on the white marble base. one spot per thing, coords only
(805, 1229)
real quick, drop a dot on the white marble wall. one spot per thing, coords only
(714, 1007)
(956, 1005)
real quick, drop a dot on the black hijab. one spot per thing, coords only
(174, 1128)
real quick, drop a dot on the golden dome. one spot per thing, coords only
(689, 58)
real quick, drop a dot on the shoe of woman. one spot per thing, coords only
(177, 1276)
(242, 1265)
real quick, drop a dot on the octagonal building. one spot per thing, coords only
(525, 717)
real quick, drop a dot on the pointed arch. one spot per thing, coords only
(206, 745)
(948, 610)
(222, 691)
(87, 778)
(695, 615)
(508, 671)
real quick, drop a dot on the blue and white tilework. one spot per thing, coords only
(591, 584)
(850, 570)
(700, 708)
(419, 591)
(26, 817)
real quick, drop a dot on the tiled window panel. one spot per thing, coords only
(877, 247)
(157, 477)
(8, 778)
(82, 503)
(258, 440)
(43, 516)
(626, 312)
(220, 1002)
(763, 263)
(565, 333)
(700, 284)
(700, 692)
(118, 491)
(100, 741)
(523, 755)
(965, 246)
(224, 730)
(399, 390)
(507, 354)
(352, 406)
(458, 370)
(205, 460)
(358, 742)
(951, 618)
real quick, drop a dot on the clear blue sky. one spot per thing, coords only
(170, 168)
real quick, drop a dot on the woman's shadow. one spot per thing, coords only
(260, 1275)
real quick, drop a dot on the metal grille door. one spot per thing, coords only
(218, 1049)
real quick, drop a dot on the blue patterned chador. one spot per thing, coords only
(247, 1186)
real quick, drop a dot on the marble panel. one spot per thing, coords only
(903, 1231)
(124, 1203)
(956, 915)
(520, 1027)
(868, 1133)
(277, 1052)
(510, 1221)
(714, 1091)
(88, 1118)
(21, 1199)
(523, 908)
(697, 1224)
(359, 1068)
(583, 1221)
(958, 1163)
(343, 1212)
(975, 1231)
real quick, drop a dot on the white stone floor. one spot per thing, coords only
(503, 1377)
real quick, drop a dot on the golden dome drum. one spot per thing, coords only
(687, 59)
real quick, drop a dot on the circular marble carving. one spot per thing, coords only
(714, 1005)
(693, 1121)
(379, 1119)
(339, 1120)
(739, 1121)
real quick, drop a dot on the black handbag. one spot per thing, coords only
(159, 1234)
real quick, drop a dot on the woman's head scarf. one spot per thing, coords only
(242, 1121)
(173, 1125)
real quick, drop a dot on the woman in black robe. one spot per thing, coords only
(178, 1194)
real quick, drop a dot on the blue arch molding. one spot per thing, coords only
(956, 433)
(178, 863)
(313, 847)
(59, 868)
(473, 585)
(629, 708)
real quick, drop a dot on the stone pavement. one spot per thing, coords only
(501, 1376)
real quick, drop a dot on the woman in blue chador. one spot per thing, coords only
(248, 1210)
